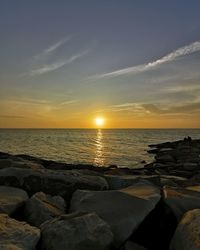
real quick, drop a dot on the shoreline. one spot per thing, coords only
(144, 208)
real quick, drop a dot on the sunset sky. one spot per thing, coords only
(65, 62)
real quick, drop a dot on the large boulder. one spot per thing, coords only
(41, 207)
(123, 209)
(17, 235)
(11, 199)
(187, 234)
(62, 183)
(78, 231)
(180, 200)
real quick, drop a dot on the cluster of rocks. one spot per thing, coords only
(51, 205)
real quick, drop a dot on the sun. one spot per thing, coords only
(99, 121)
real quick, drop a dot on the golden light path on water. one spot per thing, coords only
(99, 160)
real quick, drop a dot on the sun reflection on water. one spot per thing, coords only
(99, 160)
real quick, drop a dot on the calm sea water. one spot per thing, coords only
(123, 147)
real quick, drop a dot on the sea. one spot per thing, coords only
(100, 147)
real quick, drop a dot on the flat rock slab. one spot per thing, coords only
(116, 182)
(42, 207)
(187, 234)
(17, 235)
(11, 199)
(181, 200)
(62, 183)
(123, 209)
(84, 231)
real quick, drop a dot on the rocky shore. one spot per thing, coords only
(47, 205)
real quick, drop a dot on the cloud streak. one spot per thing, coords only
(59, 64)
(183, 51)
(52, 48)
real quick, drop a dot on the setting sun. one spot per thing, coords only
(99, 121)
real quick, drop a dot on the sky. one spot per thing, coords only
(65, 62)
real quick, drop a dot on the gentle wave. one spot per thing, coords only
(123, 147)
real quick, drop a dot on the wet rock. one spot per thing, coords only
(62, 183)
(181, 200)
(11, 199)
(123, 209)
(41, 207)
(17, 235)
(84, 231)
(187, 233)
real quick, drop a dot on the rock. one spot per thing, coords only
(19, 163)
(62, 183)
(11, 199)
(164, 158)
(118, 182)
(177, 180)
(181, 200)
(132, 246)
(41, 207)
(194, 188)
(190, 166)
(187, 235)
(17, 235)
(84, 231)
(123, 209)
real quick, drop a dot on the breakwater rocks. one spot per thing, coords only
(46, 205)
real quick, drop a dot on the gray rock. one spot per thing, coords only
(181, 200)
(41, 207)
(164, 158)
(17, 235)
(175, 180)
(62, 183)
(78, 231)
(133, 246)
(19, 163)
(190, 166)
(121, 181)
(11, 199)
(187, 234)
(123, 209)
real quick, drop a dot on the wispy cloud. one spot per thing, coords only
(183, 51)
(68, 102)
(48, 51)
(12, 117)
(54, 66)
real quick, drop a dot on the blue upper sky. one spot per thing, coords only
(135, 62)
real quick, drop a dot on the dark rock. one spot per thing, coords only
(116, 182)
(11, 199)
(123, 210)
(41, 207)
(132, 246)
(84, 231)
(17, 235)
(157, 229)
(181, 200)
(62, 183)
(187, 235)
